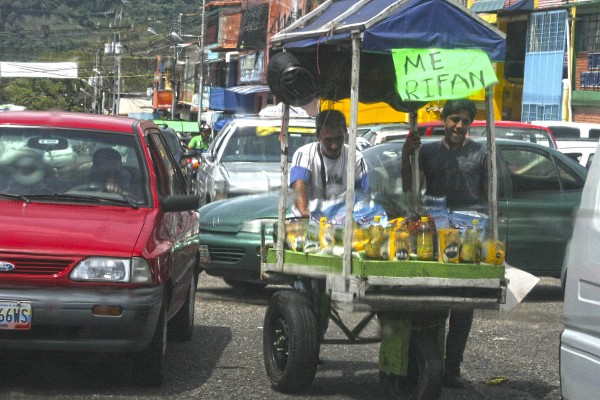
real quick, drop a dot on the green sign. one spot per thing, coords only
(435, 74)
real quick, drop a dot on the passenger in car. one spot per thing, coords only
(454, 167)
(107, 171)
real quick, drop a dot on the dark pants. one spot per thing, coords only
(459, 327)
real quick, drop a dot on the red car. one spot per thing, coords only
(515, 130)
(99, 244)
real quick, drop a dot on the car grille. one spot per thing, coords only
(35, 265)
(226, 254)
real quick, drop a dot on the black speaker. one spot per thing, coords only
(291, 82)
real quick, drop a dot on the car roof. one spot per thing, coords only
(72, 120)
(262, 121)
(572, 124)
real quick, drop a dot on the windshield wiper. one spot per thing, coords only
(16, 196)
(68, 196)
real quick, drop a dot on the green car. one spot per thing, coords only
(539, 190)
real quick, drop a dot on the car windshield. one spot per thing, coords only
(41, 163)
(261, 143)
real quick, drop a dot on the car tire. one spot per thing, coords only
(181, 326)
(425, 371)
(244, 285)
(290, 342)
(147, 365)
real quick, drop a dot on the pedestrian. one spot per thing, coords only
(318, 169)
(455, 168)
(201, 141)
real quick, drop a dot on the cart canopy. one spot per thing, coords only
(322, 43)
(389, 24)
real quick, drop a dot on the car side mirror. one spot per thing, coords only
(180, 203)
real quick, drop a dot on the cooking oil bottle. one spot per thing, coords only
(326, 237)
(377, 238)
(471, 245)
(424, 240)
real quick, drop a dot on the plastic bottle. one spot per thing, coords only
(377, 238)
(424, 240)
(471, 245)
(399, 241)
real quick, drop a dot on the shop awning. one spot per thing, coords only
(492, 6)
(236, 99)
(487, 6)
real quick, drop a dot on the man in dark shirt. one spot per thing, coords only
(454, 167)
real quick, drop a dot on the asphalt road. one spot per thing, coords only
(224, 358)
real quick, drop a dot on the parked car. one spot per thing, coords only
(580, 340)
(379, 133)
(99, 251)
(244, 158)
(183, 156)
(580, 151)
(539, 189)
(504, 130)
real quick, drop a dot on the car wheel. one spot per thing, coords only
(147, 365)
(244, 285)
(290, 342)
(181, 326)
(425, 371)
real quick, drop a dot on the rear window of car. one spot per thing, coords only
(565, 132)
(261, 143)
(594, 134)
(531, 135)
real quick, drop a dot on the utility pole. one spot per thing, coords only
(175, 39)
(201, 71)
(115, 49)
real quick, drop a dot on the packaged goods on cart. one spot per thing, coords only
(462, 220)
(324, 229)
(399, 242)
(449, 244)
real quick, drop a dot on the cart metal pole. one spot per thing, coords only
(491, 164)
(351, 166)
(283, 190)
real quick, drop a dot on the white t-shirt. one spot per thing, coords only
(307, 166)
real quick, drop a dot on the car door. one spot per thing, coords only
(580, 341)
(176, 228)
(537, 213)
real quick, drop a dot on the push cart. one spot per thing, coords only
(410, 299)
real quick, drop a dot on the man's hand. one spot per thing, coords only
(412, 142)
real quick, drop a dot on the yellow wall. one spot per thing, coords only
(379, 113)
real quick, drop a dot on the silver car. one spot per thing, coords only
(244, 158)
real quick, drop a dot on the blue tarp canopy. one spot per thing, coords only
(389, 24)
(236, 99)
(322, 42)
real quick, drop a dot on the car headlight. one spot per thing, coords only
(254, 226)
(105, 269)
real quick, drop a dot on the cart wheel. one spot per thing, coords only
(425, 371)
(290, 342)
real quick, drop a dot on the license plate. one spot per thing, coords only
(204, 253)
(15, 315)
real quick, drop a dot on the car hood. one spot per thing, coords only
(230, 214)
(62, 229)
(252, 177)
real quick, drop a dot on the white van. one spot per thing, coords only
(566, 130)
(575, 139)
(580, 340)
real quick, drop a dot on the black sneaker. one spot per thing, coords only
(453, 381)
